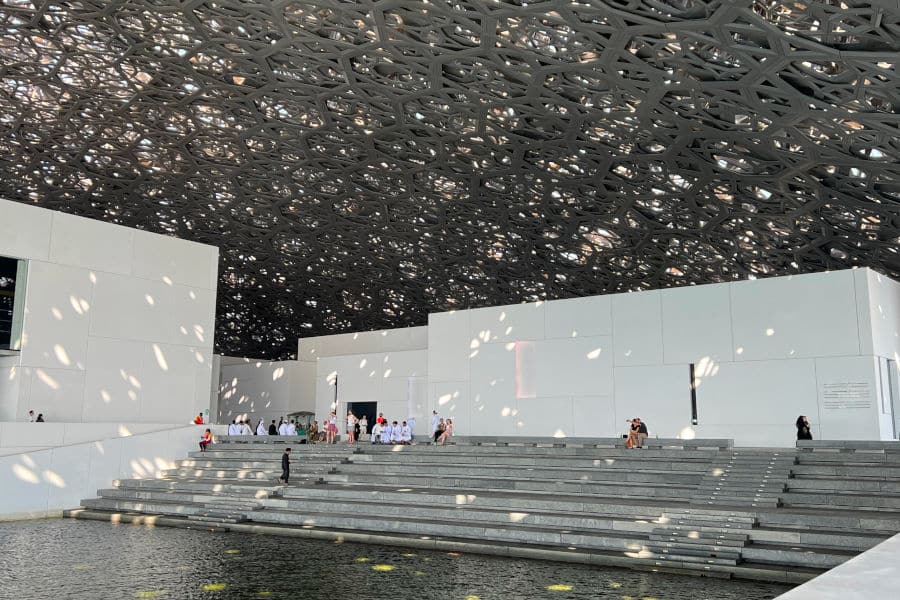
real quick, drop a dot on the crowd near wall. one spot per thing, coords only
(118, 323)
(762, 352)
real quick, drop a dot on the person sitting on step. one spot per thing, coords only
(396, 434)
(405, 434)
(448, 431)
(386, 432)
(376, 432)
(206, 440)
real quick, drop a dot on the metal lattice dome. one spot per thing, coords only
(361, 164)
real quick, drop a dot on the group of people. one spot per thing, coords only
(637, 433)
(33, 419)
(391, 432)
(441, 430)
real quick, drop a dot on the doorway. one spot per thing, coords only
(369, 409)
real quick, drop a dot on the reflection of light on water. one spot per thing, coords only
(213, 587)
(363, 559)
(383, 568)
(232, 551)
(559, 587)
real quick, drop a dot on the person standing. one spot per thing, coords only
(291, 428)
(283, 428)
(351, 427)
(331, 428)
(435, 419)
(804, 431)
(273, 430)
(363, 426)
(261, 428)
(285, 466)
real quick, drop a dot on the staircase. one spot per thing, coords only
(710, 510)
(747, 478)
(701, 536)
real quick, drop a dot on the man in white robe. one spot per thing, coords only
(283, 428)
(291, 428)
(435, 419)
(386, 432)
(405, 434)
(245, 428)
(261, 428)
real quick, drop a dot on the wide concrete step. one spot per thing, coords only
(508, 501)
(234, 488)
(844, 485)
(468, 514)
(857, 458)
(857, 501)
(707, 550)
(690, 536)
(521, 533)
(557, 473)
(847, 471)
(632, 490)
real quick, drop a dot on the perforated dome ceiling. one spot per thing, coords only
(361, 164)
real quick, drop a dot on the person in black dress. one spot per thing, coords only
(803, 430)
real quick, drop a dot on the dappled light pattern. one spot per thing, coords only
(361, 164)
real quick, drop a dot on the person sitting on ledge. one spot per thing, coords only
(313, 433)
(386, 431)
(261, 428)
(439, 430)
(448, 431)
(198, 420)
(206, 440)
(376, 432)
(804, 432)
(642, 434)
(405, 434)
(40, 418)
(245, 427)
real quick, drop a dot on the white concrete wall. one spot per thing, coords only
(388, 367)
(255, 389)
(45, 482)
(765, 351)
(118, 322)
(24, 437)
(883, 317)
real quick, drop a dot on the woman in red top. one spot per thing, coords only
(206, 440)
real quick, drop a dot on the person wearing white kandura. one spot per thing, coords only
(245, 428)
(291, 428)
(283, 428)
(261, 428)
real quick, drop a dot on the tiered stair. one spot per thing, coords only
(713, 511)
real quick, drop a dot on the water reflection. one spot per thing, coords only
(97, 561)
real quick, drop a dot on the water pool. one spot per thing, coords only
(67, 559)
